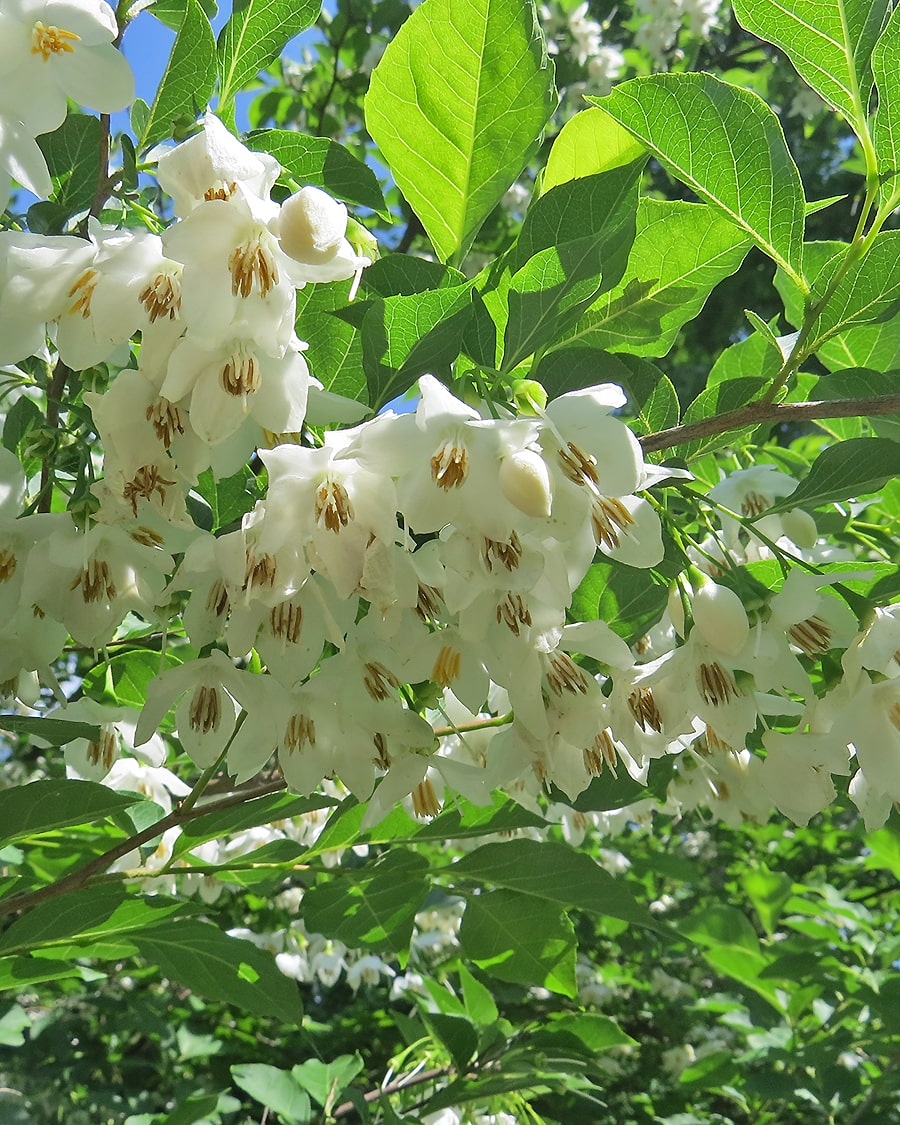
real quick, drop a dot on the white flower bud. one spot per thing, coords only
(525, 483)
(313, 226)
(800, 527)
(720, 616)
(675, 606)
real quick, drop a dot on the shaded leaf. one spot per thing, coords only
(55, 732)
(626, 597)
(276, 1089)
(852, 468)
(72, 153)
(42, 806)
(588, 143)
(189, 78)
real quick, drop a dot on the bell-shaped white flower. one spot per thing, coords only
(720, 616)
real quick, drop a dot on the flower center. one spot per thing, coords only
(104, 752)
(145, 482)
(333, 507)
(428, 603)
(424, 799)
(83, 291)
(754, 504)
(643, 708)
(252, 267)
(165, 419)
(47, 41)
(565, 675)
(8, 564)
(95, 581)
(259, 571)
(496, 554)
(579, 467)
(217, 598)
(285, 621)
(299, 732)
(813, 635)
(220, 191)
(716, 685)
(241, 375)
(161, 297)
(380, 683)
(609, 519)
(450, 465)
(601, 753)
(514, 613)
(446, 667)
(205, 712)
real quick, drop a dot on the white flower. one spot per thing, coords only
(51, 50)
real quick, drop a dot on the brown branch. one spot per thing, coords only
(404, 1082)
(75, 880)
(755, 413)
(54, 401)
(104, 182)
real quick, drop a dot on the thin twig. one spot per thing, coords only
(757, 412)
(404, 1082)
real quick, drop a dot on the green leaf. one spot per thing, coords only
(55, 732)
(749, 358)
(608, 792)
(457, 105)
(42, 806)
(720, 925)
(830, 44)
(189, 78)
(857, 383)
(726, 144)
(680, 253)
(624, 596)
(768, 891)
(402, 275)
(124, 678)
(652, 399)
(886, 127)
(229, 498)
(405, 337)
(478, 1001)
(588, 143)
(86, 914)
(553, 873)
(171, 13)
(717, 399)
(456, 1033)
(569, 369)
(255, 35)
(597, 1033)
(548, 295)
(503, 934)
(850, 469)
(219, 967)
(276, 1089)
(373, 907)
(323, 163)
(73, 158)
(250, 814)
(869, 291)
(193, 1110)
(325, 1080)
(335, 351)
(17, 972)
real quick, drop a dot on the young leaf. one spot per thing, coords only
(457, 106)
(503, 933)
(323, 163)
(255, 35)
(830, 44)
(680, 253)
(726, 144)
(886, 127)
(588, 143)
(189, 78)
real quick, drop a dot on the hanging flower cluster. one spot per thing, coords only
(396, 613)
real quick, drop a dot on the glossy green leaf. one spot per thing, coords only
(376, 908)
(335, 351)
(886, 127)
(42, 806)
(569, 369)
(274, 1088)
(72, 153)
(829, 43)
(627, 598)
(553, 873)
(229, 498)
(726, 144)
(55, 732)
(188, 81)
(405, 337)
(503, 934)
(457, 105)
(588, 143)
(652, 399)
(124, 678)
(681, 252)
(751, 357)
(207, 961)
(844, 471)
(254, 35)
(323, 163)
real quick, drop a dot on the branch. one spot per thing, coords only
(755, 412)
(77, 879)
(401, 1083)
(54, 401)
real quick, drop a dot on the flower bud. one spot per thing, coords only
(313, 226)
(530, 397)
(525, 483)
(720, 616)
(800, 527)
